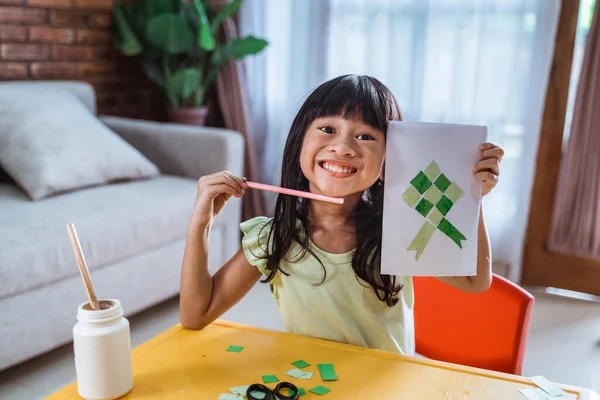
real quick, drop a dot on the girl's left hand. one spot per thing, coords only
(487, 168)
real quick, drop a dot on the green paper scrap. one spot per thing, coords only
(454, 192)
(421, 182)
(451, 232)
(435, 217)
(302, 392)
(269, 379)
(241, 390)
(235, 349)
(298, 374)
(257, 394)
(228, 396)
(433, 194)
(300, 364)
(432, 171)
(327, 372)
(424, 207)
(421, 240)
(444, 205)
(547, 386)
(320, 390)
(411, 196)
(442, 183)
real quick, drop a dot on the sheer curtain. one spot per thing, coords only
(459, 61)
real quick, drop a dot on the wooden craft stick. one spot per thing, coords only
(83, 269)
(292, 192)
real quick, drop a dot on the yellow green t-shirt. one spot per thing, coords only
(343, 308)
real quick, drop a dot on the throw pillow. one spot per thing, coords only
(51, 143)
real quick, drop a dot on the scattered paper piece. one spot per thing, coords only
(531, 394)
(241, 390)
(327, 372)
(300, 364)
(547, 386)
(302, 392)
(298, 374)
(228, 396)
(257, 394)
(320, 390)
(269, 379)
(235, 349)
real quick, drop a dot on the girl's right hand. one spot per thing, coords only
(213, 192)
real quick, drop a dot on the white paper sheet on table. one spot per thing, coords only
(411, 148)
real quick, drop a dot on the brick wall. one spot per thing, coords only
(71, 39)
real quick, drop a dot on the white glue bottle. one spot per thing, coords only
(102, 344)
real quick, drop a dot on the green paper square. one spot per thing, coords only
(433, 194)
(442, 183)
(320, 390)
(235, 349)
(327, 372)
(411, 196)
(300, 364)
(432, 171)
(269, 379)
(444, 205)
(435, 217)
(301, 392)
(454, 192)
(424, 207)
(421, 182)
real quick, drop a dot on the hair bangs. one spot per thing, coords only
(354, 97)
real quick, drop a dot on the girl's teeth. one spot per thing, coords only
(335, 168)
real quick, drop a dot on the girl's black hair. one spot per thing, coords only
(352, 96)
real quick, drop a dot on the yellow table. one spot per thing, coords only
(185, 364)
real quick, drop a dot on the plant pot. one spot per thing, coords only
(189, 115)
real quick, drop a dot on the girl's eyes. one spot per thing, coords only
(363, 136)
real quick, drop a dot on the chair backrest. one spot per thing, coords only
(487, 330)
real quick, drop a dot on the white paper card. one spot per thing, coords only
(432, 200)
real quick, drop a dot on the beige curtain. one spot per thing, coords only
(576, 218)
(233, 99)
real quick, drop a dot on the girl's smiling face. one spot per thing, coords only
(342, 157)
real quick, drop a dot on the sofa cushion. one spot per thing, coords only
(50, 142)
(113, 222)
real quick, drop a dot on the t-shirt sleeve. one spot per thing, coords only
(255, 241)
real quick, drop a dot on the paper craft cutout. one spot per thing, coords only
(442, 195)
(302, 392)
(269, 379)
(547, 386)
(241, 390)
(235, 349)
(327, 372)
(431, 199)
(320, 390)
(298, 374)
(300, 364)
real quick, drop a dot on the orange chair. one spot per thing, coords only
(487, 330)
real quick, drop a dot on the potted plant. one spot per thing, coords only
(175, 41)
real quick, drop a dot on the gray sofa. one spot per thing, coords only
(132, 233)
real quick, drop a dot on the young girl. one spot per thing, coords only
(322, 260)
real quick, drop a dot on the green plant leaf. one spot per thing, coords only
(185, 82)
(153, 72)
(206, 39)
(153, 8)
(169, 33)
(236, 49)
(225, 13)
(124, 39)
